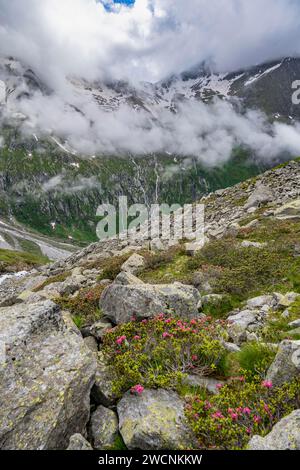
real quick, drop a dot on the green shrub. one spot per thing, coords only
(159, 352)
(78, 320)
(84, 308)
(119, 444)
(111, 266)
(277, 328)
(242, 409)
(255, 358)
(219, 308)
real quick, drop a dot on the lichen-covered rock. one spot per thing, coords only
(284, 436)
(208, 383)
(295, 324)
(91, 343)
(98, 329)
(104, 428)
(134, 264)
(250, 244)
(120, 303)
(286, 365)
(46, 374)
(102, 391)
(261, 301)
(231, 347)
(284, 301)
(78, 442)
(261, 195)
(154, 420)
(127, 279)
(243, 322)
(291, 210)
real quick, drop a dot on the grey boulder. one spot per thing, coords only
(104, 428)
(46, 374)
(154, 420)
(286, 365)
(261, 195)
(134, 264)
(78, 442)
(284, 436)
(120, 303)
(290, 210)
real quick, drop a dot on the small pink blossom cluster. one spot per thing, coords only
(234, 414)
(137, 389)
(121, 340)
(218, 415)
(166, 335)
(240, 378)
(267, 384)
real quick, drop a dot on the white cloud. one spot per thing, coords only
(207, 132)
(154, 38)
(149, 40)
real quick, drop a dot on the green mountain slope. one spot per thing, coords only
(57, 194)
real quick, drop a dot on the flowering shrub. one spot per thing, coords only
(160, 351)
(85, 306)
(242, 409)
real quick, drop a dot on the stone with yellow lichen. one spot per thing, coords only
(46, 374)
(154, 420)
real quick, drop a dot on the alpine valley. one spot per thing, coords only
(49, 190)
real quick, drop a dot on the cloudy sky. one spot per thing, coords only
(149, 39)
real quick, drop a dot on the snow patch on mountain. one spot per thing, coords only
(262, 74)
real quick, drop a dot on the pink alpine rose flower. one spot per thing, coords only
(267, 384)
(217, 415)
(137, 389)
(121, 340)
(166, 335)
(257, 419)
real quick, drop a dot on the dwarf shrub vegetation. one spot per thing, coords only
(242, 409)
(236, 272)
(84, 308)
(255, 358)
(158, 353)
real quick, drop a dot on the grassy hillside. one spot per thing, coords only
(14, 261)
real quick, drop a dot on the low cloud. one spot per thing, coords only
(62, 184)
(207, 132)
(148, 41)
